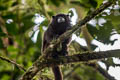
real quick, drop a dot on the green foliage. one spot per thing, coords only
(17, 23)
(12, 28)
(88, 3)
(114, 17)
(56, 2)
(84, 72)
(1, 44)
(99, 31)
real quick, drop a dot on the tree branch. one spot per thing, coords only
(101, 70)
(84, 57)
(44, 62)
(105, 73)
(12, 62)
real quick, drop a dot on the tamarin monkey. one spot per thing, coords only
(59, 24)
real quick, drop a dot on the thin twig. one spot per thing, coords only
(12, 62)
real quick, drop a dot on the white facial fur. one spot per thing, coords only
(61, 19)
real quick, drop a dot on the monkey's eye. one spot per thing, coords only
(60, 19)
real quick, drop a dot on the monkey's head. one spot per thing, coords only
(61, 22)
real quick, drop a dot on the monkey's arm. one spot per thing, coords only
(47, 38)
(45, 42)
(64, 51)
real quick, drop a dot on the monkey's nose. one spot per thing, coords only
(60, 19)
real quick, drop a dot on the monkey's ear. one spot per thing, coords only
(53, 17)
(68, 15)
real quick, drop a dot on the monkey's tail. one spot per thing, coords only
(57, 73)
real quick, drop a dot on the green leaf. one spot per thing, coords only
(71, 13)
(50, 13)
(9, 15)
(99, 2)
(27, 22)
(12, 49)
(12, 28)
(44, 23)
(114, 19)
(93, 3)
(2, 7)
(6, 77)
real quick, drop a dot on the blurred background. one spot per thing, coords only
(23, 22)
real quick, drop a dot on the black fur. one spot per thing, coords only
(59, 24)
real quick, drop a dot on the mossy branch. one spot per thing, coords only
(84, 57)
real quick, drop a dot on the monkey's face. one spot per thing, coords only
(61, 23)
(61, 18)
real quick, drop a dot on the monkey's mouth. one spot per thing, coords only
(60, 20)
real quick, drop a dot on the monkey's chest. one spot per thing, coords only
(60, 30)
